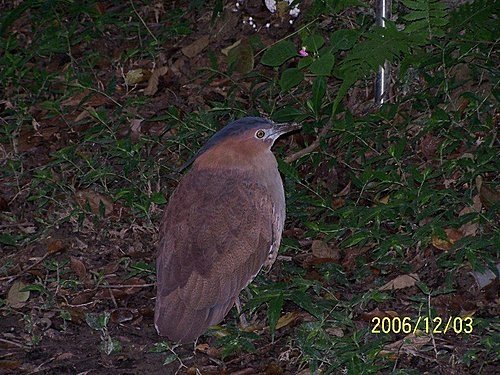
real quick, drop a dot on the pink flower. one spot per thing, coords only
(303, 52)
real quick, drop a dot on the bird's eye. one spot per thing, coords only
(260, 133)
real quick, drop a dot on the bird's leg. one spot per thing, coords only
(243, 319)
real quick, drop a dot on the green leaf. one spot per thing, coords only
(305, 61)
(318, 94)
(240, 58)
(344, 39)
(7, 239)
(426, 17)
(354, 239)
(313, 42)
(274, 312)
(158, 198)
(303, 300)
(323, 66)
(290, 78)
(286, 113)
(279, 53)
(169, 359)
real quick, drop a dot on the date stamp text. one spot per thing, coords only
(436, 325)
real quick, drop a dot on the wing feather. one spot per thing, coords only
(215, 236)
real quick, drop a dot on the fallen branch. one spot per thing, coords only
(313, 146)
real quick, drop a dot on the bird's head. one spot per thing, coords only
(246, 137)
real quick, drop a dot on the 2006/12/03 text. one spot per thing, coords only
(436, 325)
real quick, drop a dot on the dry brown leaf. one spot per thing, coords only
(78, 267)
(94, 200)
(411, 344)
(429, 145)
(225, 51)
(489, 196)
(335, 331)
(401, 282)
(135, 129)
(368, 316)
(136, 76)
(337, 203)
(84, 114)
(83, 297)
(345, 191)
(4, 205)
(16, 297)
(196, 47)
(121, 315)
(320, 249)
(470, 229)
(56, 246)
(64, 356)
(91, 99)
(152, 87)
(287, 319)
(384, 200)
(6, 364)
(445, 244)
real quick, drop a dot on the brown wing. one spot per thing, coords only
(216, 234)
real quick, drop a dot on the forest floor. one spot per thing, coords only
(391, 214)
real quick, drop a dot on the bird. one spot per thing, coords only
(223, 223)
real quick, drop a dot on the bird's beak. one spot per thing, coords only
(283, 128)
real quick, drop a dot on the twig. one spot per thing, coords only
(288, 36)
(313, 146)
(126, 286)
(9, 342)
(144, 23)
(22, 272)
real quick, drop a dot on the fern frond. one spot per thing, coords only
(478, 19)
(426, 17)
(380, 45)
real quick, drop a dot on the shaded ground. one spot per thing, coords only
(392, 215)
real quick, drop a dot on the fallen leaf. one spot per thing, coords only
(83, 297)
(320, 249)
(64, 356)
(121, 315)
(384, 200)
(411, 344)
(9, 365)
(135, 129)
(225, 51)
(4, 205)
(78, 267)
(16, 297)
(87, 112)
(401, 282)
(345, 191)
(287, 319)
(489, 196)
(335, 331)
(56, 246)
(241, 58)
(429, 145)
(338, 203)
(471, 228)
(136, 76)
(89, 98)
(152, 87)
(445, 244)
(368, 316)
(196, 47)
(94, 200)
